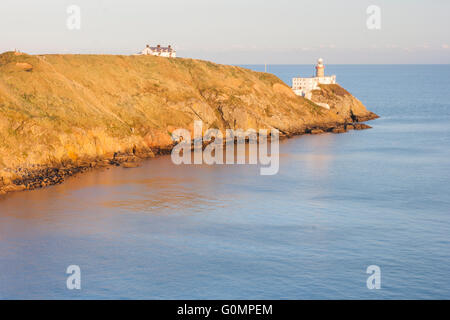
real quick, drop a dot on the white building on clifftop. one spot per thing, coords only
(167, 52)
(304, 86)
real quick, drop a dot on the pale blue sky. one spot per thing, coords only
(236, 31)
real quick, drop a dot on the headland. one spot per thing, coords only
(65, 114)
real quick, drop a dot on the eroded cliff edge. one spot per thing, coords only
(62, 114)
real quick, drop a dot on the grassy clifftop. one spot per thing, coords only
(56, 109)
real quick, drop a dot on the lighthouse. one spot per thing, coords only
(320, 69)
(304, 86)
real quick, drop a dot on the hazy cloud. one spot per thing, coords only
(235, 31)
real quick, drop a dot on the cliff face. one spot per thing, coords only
(342, 103)
(62, 113)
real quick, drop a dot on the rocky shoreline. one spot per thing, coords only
(43, 176)
(342, 128)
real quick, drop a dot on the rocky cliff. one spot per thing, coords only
(62, 114)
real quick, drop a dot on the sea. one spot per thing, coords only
(345, 212)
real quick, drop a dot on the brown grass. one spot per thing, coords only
(56, 108)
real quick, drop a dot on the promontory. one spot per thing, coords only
(62, 114)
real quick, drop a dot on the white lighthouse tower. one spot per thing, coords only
(304, 86)
(320, 69)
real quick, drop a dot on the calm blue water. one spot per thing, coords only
(339, 204)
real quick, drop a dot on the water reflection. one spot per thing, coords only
(315, 156)
(162, 195)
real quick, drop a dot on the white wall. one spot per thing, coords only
(303, 86)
